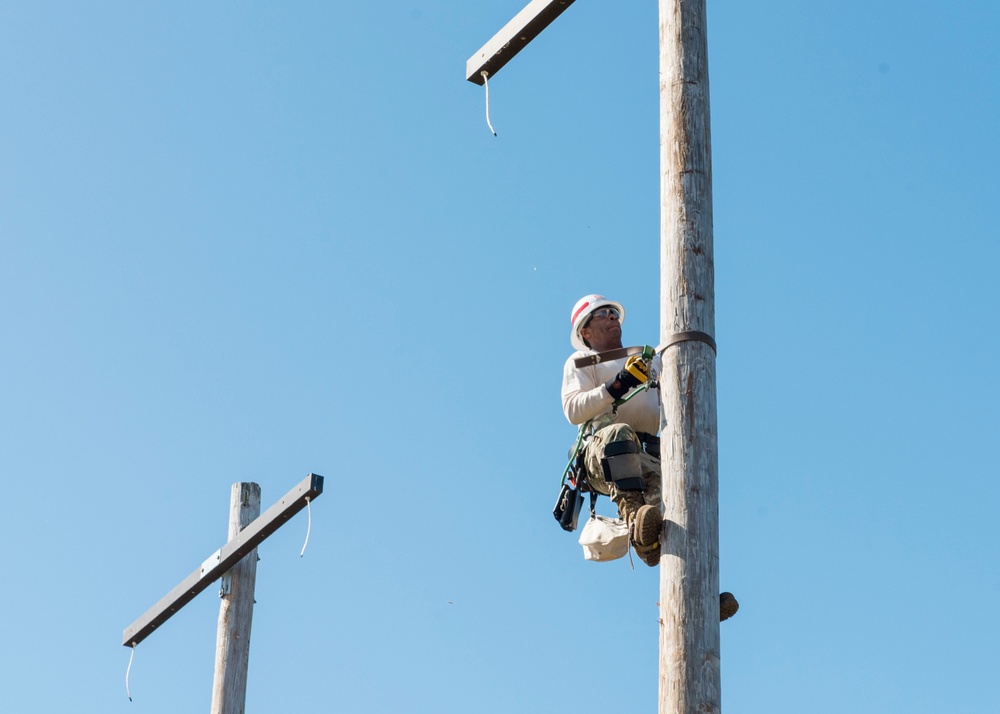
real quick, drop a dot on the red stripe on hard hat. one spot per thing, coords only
(576, 314)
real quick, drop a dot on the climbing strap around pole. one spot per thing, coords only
(674, 339)
(690, 336)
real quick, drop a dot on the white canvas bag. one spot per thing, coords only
(604, 538)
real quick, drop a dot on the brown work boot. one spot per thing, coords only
(646, 527)
(629, 503)
(727, 606)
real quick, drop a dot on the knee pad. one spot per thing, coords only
(622, 466)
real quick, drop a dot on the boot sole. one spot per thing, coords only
(727, 606)
(649, 554)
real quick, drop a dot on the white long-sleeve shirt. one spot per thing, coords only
(584, 395)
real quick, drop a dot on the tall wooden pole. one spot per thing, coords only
(689, 562)
(232, 649)
(689, 565)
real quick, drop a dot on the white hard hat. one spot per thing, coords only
(582, 311)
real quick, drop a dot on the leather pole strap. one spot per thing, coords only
(676, 338)
(692, 336)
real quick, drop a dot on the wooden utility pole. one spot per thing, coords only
(690, 679)
(232, 647)
(689, 561)
(236, 564)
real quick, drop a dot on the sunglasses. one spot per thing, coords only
(605, 312)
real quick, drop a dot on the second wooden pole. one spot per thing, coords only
(232, 649)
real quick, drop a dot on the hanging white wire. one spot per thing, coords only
(128, 670)
(486, 83)
(308, 527)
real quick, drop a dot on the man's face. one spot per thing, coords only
(603, 330)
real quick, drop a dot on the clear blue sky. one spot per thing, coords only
(247, 241)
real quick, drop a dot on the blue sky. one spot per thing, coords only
(249, 241)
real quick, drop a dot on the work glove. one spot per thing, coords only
(634, 373)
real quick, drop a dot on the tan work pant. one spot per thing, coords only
(628, 502)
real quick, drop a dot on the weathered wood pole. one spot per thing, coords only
(232, 648)
(689, 565)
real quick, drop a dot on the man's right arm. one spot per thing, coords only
(584, 396)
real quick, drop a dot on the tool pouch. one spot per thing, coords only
(568, 505)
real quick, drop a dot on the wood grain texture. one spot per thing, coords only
(689, 567)
(232, 649)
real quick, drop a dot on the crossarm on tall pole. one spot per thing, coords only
(513, 37)
(225, 558)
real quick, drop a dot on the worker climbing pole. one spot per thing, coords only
(678, 529)
(610, 392)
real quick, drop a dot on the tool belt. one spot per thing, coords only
(650, 443)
